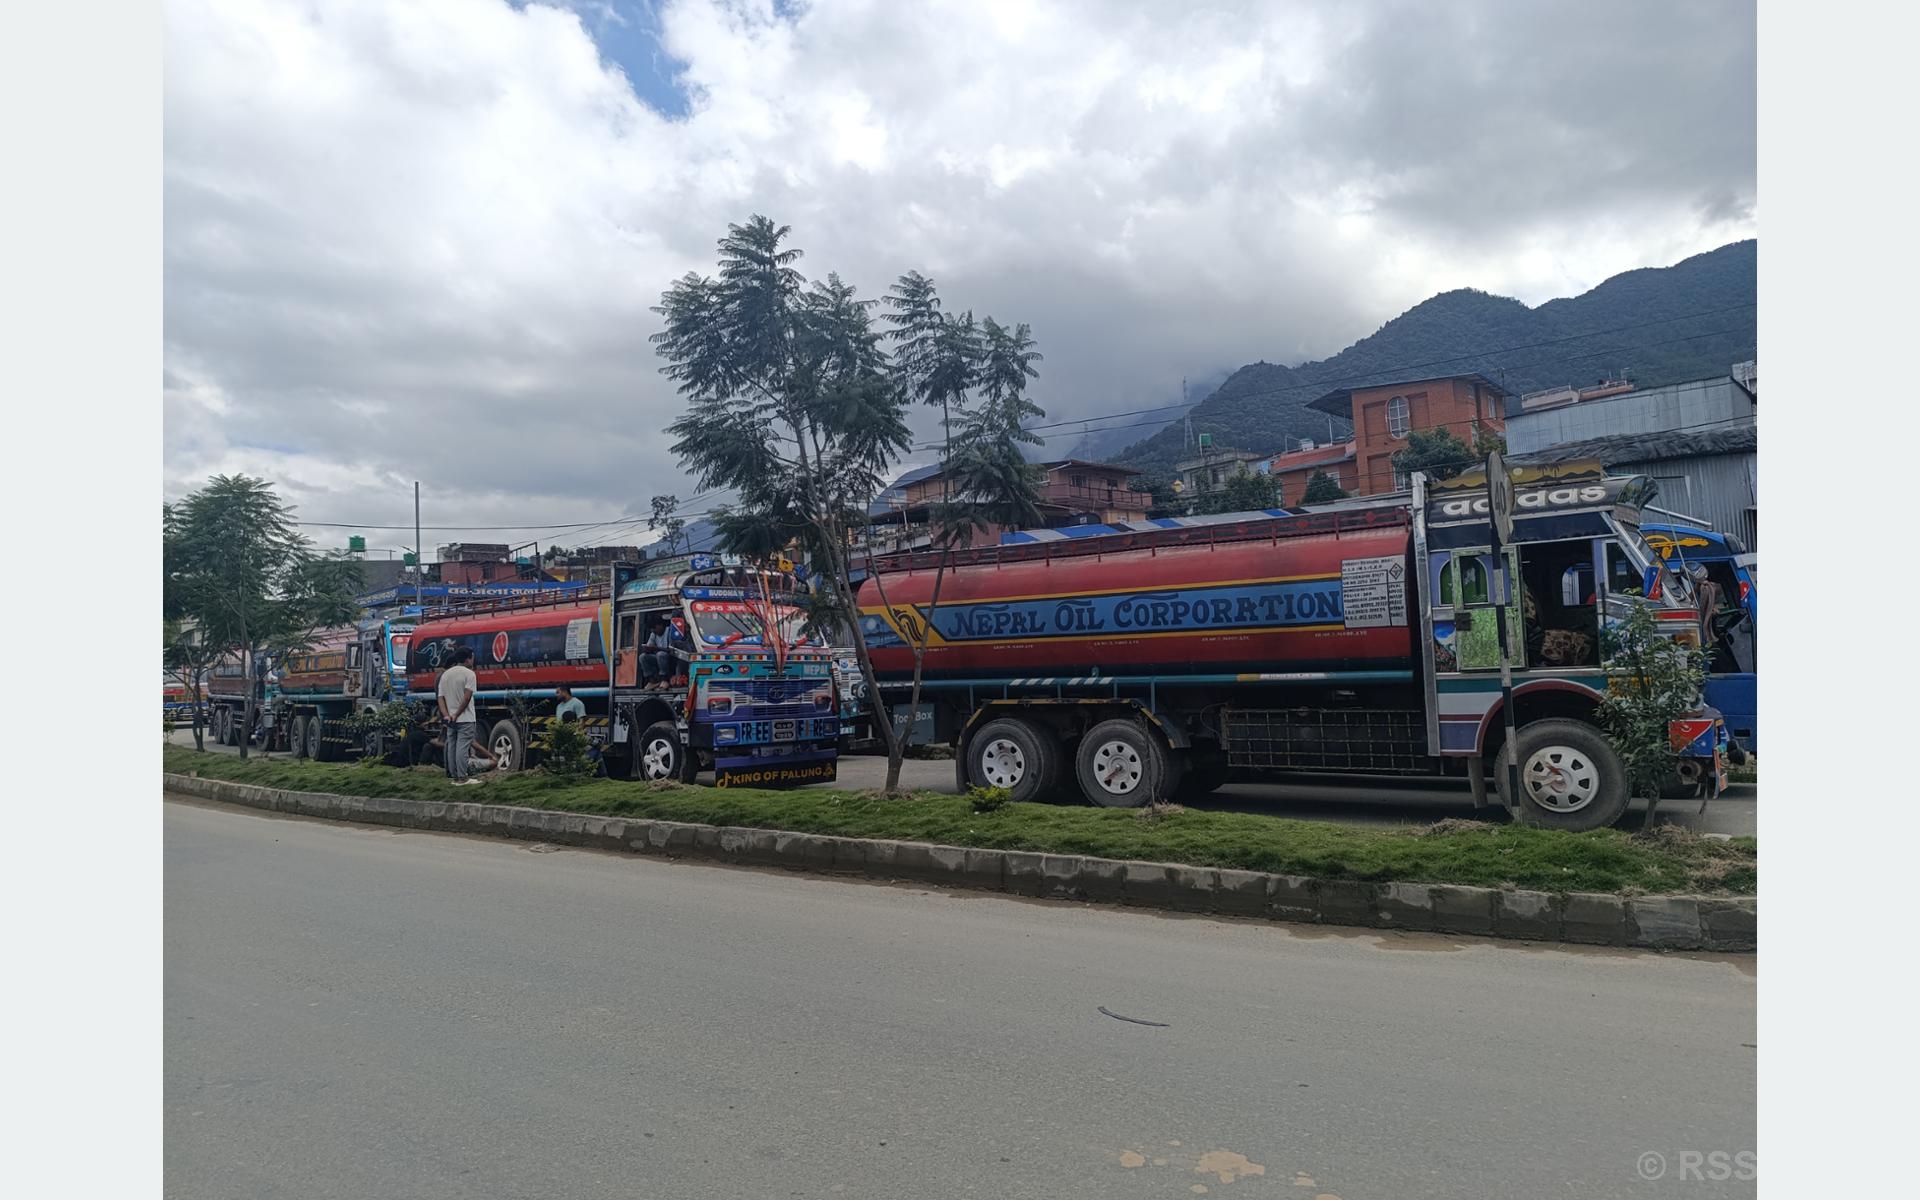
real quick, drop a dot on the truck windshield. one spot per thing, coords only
(733, 623)
(1627, 533)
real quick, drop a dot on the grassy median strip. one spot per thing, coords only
(1485, 855)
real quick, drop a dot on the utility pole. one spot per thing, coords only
(419, 551)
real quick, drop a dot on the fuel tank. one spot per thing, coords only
(1292, 602)
(516, 649)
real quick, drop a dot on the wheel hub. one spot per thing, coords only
(1561, 779)
(1118, 768)
(657, 762)
(1002, 764)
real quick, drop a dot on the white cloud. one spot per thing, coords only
(420, 238)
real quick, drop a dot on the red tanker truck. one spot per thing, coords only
(1149, 662)
(753, 698)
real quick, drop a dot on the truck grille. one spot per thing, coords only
(769, 699)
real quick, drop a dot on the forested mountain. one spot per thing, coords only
(1660, 325)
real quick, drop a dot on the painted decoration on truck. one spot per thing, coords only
(1368, 593)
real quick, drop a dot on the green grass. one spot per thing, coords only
(1465, 852)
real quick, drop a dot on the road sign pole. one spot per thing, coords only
(1500, 522)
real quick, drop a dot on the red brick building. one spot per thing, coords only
(1294, 469)
(1072, 492)
(1384, 414)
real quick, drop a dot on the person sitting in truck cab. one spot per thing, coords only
(656, 657)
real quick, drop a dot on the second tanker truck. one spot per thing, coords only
(750, 695)
(1148, 663)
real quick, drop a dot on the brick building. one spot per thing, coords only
(1383, 414)
(1294, 469)
(1072, 492)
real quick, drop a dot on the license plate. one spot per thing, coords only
(785, 731)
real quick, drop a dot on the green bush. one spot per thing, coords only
(988, 799)
(1652, 680)
(565, 750)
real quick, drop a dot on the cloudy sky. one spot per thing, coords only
(419, 239)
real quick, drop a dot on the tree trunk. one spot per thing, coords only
(194, 698)
(895, 755)
(838, 571)
(246, 706)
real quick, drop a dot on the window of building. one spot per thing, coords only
(1400, 481)
(1078, 481)
(1397, 417)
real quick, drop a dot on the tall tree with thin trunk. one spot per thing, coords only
(791, 405)
(937, 355)
(235, 564)
(992, 483)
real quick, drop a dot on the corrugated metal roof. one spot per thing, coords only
(1648, 447)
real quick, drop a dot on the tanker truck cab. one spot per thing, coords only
(1581, 564)
(752, 695)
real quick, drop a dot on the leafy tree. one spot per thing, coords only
(669, 525)
(235, 565)
(1652, 681)
(990, 483)
(188, 657)
(1243, 491)
(790, 405)
(1322, 487)
(938, 357)
(1442, 454)
(1163, 499)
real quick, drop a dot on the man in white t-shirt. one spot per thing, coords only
(456, 695)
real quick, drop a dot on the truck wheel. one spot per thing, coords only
(509, 745)
(659, 755)
(1570, 776)
(297, 737)
(1121, 765)
(1016, 755)
(317, 748)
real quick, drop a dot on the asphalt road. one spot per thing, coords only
(355, 1012)
(1375, 801)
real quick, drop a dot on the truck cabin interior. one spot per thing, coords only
(1571, 547)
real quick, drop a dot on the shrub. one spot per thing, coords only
(565, 750)
(1652, 680)
(988, 799)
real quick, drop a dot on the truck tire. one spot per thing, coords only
(297, 737)
(317, 748)
(509, 745)
(659, 755)
(1018, 755)
(1121, 765)
(1570, 777)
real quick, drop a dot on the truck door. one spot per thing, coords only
(626, 656)
(1467, 584)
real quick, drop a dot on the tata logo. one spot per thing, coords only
(776, 695)
(500, 646)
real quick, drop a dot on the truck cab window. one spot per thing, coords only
(1623, 576)
(1473, 580)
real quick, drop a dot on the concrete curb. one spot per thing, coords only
(1724, 923)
